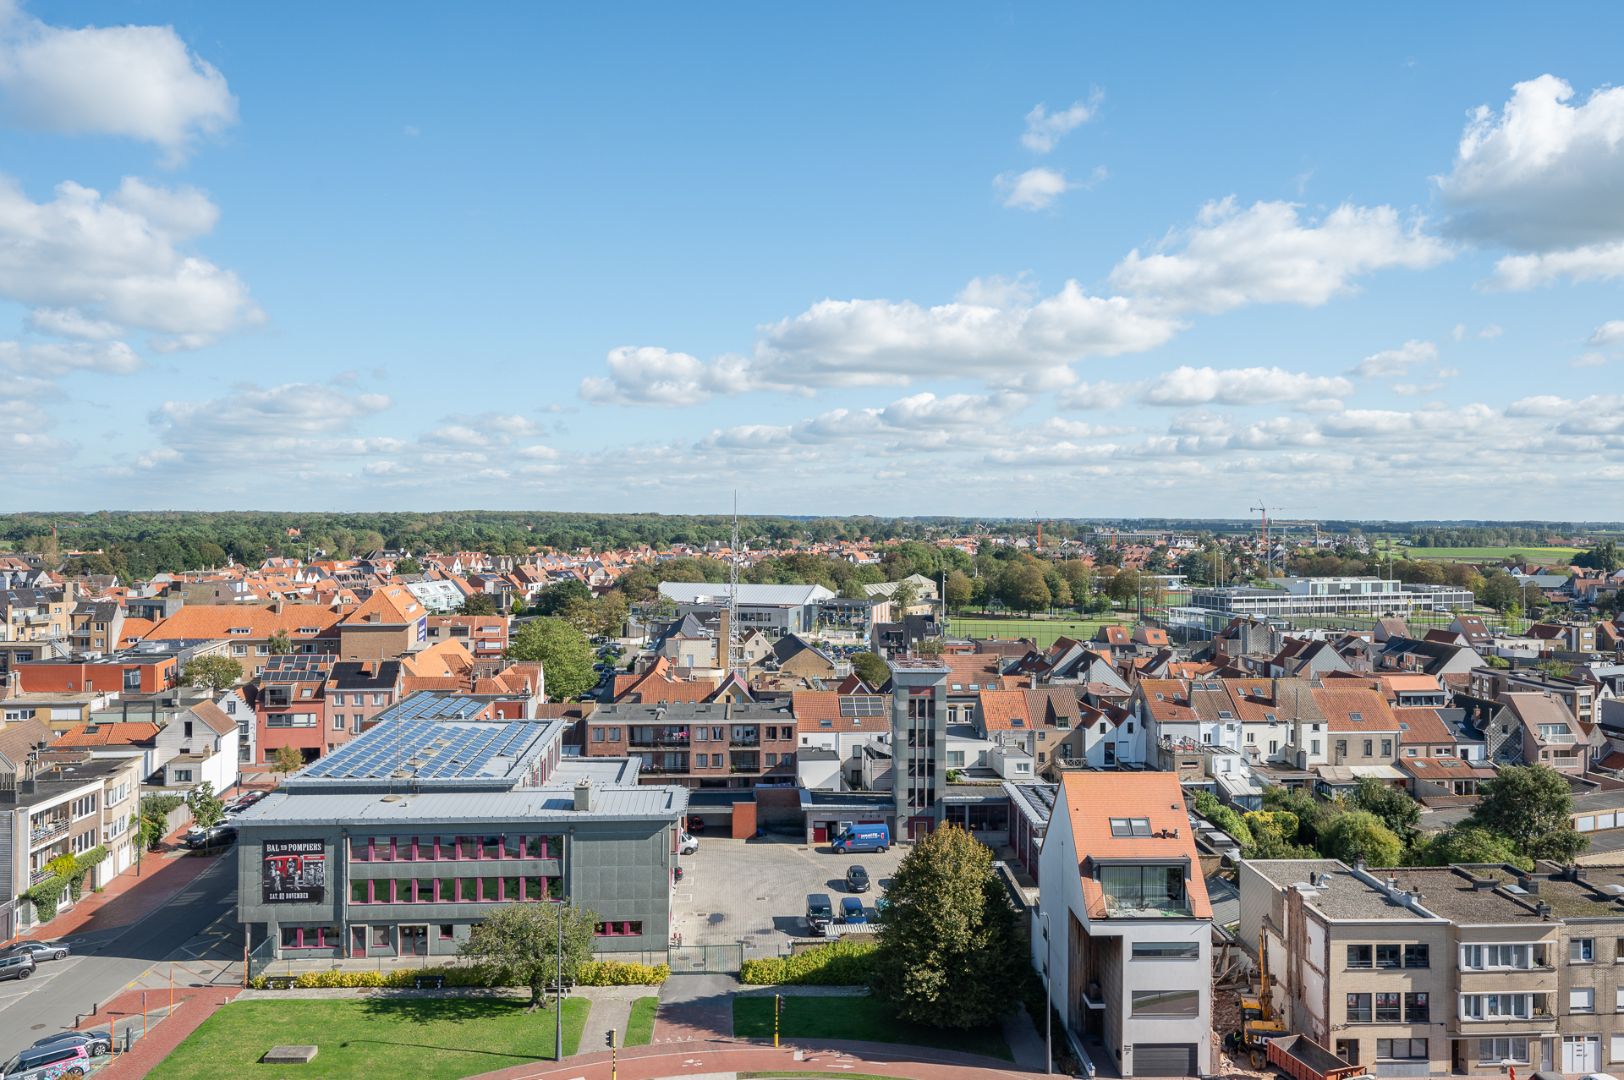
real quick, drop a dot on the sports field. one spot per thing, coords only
(1489, 554)
(1043, 631)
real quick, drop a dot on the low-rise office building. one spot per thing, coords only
(400, 841)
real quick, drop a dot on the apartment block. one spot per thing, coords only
(721, 744)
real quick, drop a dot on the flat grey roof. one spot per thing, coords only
(446, 810)
(607, 771)
(1344, 897)
(435, 751)
(751, 595)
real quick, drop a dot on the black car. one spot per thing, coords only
(40, 950)
(97, 1042)
(212, 837)
(820, 912)
(856, 879)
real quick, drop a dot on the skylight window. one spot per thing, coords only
(1121, 826)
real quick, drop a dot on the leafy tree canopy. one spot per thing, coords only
(564, 653)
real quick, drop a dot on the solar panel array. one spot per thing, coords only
(426, 750)
(296, 668)
(435, 706)
(862, 706)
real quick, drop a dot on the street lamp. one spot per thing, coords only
(1048, 1004)
(558, 985)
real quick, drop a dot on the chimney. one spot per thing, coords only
(1543, 910)
(583, 796)
(276, 606)
(1528, 884)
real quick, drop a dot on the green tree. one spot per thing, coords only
(1225, 817)
(153, 819)
(517, 607)
(1025, 588)
(478, 604)
(557, 596)
(217, 673)
(612, 614)
(1531, 806)
(408, 565)
(872, 669)
(206, 807)
(949, 953)
(1499, 591)
(286, 760)
(903, 597)
(1467, 844)
(279, 643)
(958, 590)
(1274, 836)
(1360, 834)
(1397, 810)
(518, 944)
(564, 653)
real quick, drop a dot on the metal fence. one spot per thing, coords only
(713, 959)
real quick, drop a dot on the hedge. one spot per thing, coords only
(591, 973)
(67, 872)
(839, 963)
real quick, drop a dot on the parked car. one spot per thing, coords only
(66, 1062)
(40, 950)
(97, 1042)
(862, 836)
(819, 912)
(856, 878)
(16, 966)
(851, 911)
(211, 837)
(688, 845)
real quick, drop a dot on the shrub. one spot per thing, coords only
(839, 963)
(44, 897)
(592, 973)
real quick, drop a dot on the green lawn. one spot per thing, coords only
(1043, 631)
(861, 1018)
(423, 1038)
(640, 1027)
(1488, 554)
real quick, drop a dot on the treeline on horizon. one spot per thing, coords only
(138, 544)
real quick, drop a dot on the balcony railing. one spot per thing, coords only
(40, 834)
(38, 876)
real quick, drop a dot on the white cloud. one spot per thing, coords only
(1541, 173)
(261, 423)
(51, 359)
(141, 82)
(1184, 386)
(1045, 129)
(112, 265)
(1034, 189)
(1608, 333)
(1588, 360)
(67, 322)
(1267, 253)
(1390, 363)
(1097, 395)
(1491, 331)
(649, 375)
(1591, 262)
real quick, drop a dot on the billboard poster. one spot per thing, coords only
(294, 872)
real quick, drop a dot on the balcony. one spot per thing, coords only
(744, 741)
(671, 737)
(47, 831)
(38, 876)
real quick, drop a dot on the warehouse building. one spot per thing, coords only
(400, 841)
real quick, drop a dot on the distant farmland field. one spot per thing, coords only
(1490, 554)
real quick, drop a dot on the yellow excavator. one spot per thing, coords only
(1259, 1023)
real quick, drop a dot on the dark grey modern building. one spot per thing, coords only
(402, 839)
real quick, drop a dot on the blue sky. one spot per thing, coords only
(921, 259)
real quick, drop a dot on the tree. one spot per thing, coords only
(872, 669)
(1025, 588)
(154, 819)
(279, 643)
(1531, 807)
(949, 954)
(1226, 818)
(557, 596)
(564, 653)
(206, 807)
(1397, 811)
(1124, 587)
(1466, 843)
(408, 565)
(958, 590)
(1499, 591)
(612, 614)
(517, 607)
(478, 604)
(287, 759)
(903, 597)
(217, 673)
(1360, 834)
(518, 943)
(1273, 836)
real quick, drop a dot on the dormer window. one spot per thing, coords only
(241, 630)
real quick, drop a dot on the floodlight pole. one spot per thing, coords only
(558, 988)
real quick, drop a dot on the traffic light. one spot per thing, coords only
(609, 1039)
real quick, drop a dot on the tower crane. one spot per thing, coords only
(1262, 509)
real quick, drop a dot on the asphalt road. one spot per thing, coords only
(197, 927)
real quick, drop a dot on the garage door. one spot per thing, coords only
(820, 834)
(1164, 1059)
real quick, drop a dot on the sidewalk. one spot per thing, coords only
(192, 1007)
(129, 897)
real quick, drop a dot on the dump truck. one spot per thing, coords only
(1301, 1058)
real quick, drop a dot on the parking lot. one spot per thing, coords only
(754, 891)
